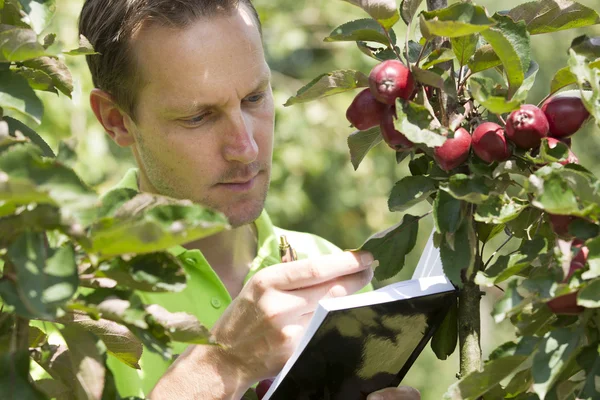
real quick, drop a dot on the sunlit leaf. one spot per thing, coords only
(366, 29)
(414, 121)
(464, 47)
(85, 48)
(57, 70)
(18, 99)
(448, 212)
(19, 44)
(457, 20)
(480, 88)
(391, 246)
(360, 142)
(408, 9)
(458, 260)
(554, 15)
(329, 84)
(384, 11)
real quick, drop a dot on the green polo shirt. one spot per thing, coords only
(205, 295)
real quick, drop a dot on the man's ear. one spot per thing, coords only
(112, 118)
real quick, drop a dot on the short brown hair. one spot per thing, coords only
(110, 24)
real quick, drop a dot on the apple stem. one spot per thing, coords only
(389, 38)
(501, 119)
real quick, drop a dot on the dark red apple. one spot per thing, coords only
(565, 115)
(489, 143)
(390, 80)
(560, 224)
(571, 158)
(395, 139)
(527, 126)
(566, 304)
(365, 111)
(454, 151)
(263, 387)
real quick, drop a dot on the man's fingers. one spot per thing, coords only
(342, 286)
(313, 271)
(396, 393)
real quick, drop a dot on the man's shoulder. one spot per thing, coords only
(307, 244)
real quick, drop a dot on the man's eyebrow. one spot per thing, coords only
(196, 106)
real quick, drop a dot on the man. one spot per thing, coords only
(185, 85)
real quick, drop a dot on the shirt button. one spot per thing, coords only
(191, 261)
(216, 303)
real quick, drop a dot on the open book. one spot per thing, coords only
(357, 344)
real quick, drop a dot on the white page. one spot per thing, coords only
(430, 263)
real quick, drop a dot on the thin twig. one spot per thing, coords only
(421, 52)
(497, 250)
(389, 38)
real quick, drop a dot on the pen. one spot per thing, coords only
(286, 252)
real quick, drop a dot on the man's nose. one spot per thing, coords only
(240, 144)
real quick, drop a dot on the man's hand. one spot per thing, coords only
(395, 393)
(263, 325)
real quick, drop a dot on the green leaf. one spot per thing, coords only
(478, 383)
(149, 223)
(484, 58)
(563, 77)
(589, 359)
(14, 376)
(329, 84)
(180, 326)
(523, 91)
(593, 259)
(46, 278)
(583, 229)
(18, 44)
(445, 337)
(464, 48)
(519, 383)
(18, 99)
(119, 341)
(437, 57)
(32, 178)
(384, 11)
(391, 246)
(472, 189)
(377, 53)
(485, 232)
(153, 272)
(509, 302)
(499, 209)
(428, 77)
(67, 153)
(510, 41)
(460, 258)
(39, 13)
(15, 125)
(87, 362)
(408, 9)
(414, 121)
(360, 142)
(409, 191)
(53, 388)
(506, 266)
(38, 80)
(85, 48)
(481, 88)
(366, 29)
(457, 20)
(587, 47)
(554, 15)
(589, 296)
(57, 70)
(557, 348)
(448, 213)
(587, 77)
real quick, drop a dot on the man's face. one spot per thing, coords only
(204, 117)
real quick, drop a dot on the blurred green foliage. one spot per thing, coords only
(314, 187)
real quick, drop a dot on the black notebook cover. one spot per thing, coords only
(359, 350)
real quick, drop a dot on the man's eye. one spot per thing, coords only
(196, 120)
(255, 98)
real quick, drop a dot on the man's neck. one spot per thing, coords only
(230, 253)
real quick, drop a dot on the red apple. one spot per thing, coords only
(365, 111)
(560, 224)
(263, 387)
(565, 304)
(565, 115)
(571, 158)
(454, 151)
(390, 80)
(489, 142)
(527, 126)
(392, 137)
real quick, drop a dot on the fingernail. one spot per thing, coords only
(366, 258)
(375, 264)
(376, 396)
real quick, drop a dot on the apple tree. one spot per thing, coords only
(491, 166)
